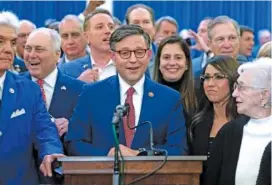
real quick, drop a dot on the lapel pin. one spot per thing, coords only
(11, 90)
(85, 66)
(63, 88)
(151, 94)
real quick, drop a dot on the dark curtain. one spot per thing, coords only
(39, 11)
(255, 14)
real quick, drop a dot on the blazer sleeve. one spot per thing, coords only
(264, 177)
(46, 137)
(78, 140)
(176, 142)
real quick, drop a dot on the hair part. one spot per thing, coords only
(136, 6)
(168, 19)
(222, 20)
(187, 89)
(8, 18)
(126, 31)
(244, 28)
(227, 66)
(74, 18)
(95, 12)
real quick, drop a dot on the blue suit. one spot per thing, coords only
(24, 120)
(19, 65)
(197, 66)
(90, 129)
(65, 96)
(76, 67)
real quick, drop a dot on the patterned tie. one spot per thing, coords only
(41, 82)
(130, 118)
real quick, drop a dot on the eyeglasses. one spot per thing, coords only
(215, 77)
(126, 54)
(241, 87)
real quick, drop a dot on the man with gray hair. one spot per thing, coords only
(165, 27)
(224, 35)
(60, 92)
(73, 41)
(24, 120)
(90, 132)
(264, 36)
(25, 28)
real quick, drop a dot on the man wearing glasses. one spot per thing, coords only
(90, 130)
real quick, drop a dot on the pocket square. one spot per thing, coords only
(17, 113)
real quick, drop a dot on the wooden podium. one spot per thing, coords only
(178, 170)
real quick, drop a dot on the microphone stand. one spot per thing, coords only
(116, 167)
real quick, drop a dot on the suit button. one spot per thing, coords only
(1, 133)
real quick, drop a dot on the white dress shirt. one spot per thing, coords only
(105, 72)
(137, 96)
(2, 79)
(49, 86)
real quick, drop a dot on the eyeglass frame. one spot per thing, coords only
(130, 51)
(239, 87)
(202, 77)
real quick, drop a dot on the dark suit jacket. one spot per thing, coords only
(24, 121)
(264, 177)
(19, 65)
(201, 134)
(225, 153)
(90, 130)
(65, 96)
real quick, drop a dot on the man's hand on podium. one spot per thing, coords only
(46, 166)
(124, 150)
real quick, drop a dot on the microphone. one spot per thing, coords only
(143, 151)
(120, 112)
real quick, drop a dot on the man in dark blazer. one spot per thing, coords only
(60, 91)
(90, 130)
(24, 120)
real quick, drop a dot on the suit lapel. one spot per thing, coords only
(9, 97)
(86, 64)
(115, 89)
(58, 92)
(147, 103)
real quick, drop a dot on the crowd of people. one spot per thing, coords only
(60, 85)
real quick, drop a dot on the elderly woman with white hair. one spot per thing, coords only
(238, 148)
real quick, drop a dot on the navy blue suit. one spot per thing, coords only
(65, 96)
(90, 129)
(24, 121)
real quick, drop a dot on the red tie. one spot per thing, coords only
(41, 82)
(130, 118)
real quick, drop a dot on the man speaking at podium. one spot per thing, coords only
(90, 130)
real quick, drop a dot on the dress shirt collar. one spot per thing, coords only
(138, 87)
(50, 79)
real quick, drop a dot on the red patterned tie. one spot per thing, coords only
(41, 82)
(130, 118)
